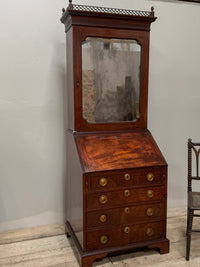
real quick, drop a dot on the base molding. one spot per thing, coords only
(86, 259)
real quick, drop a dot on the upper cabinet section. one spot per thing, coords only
(107, 67)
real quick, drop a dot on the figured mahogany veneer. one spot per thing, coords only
(116, 174)
(109, 197)
(126, 214)
(118, 150)
(119, 196)
(117, 179)
(118, 236)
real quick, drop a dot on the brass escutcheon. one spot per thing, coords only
(103, 218)
(149, 212)
(127, 176)
(127, 193)
(103, 199)
(149, 232)
(127, 210)
(103, 182)
(150, 177)
(126, 230)
(104, 239)
(150, 193)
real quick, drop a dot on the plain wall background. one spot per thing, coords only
(32, 84)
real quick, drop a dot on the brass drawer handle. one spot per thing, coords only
(127, 193)
(103, 199)
(150, 193)
(103, 239)
(103, 218)
(103, 182)
(150, 177)
(127, 210)
(149, 232)
(127, 176)
(126, 230)
(149, 212)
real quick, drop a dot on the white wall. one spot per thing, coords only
(32, 143)
(32, 82)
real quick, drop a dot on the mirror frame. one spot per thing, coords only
(142, 37)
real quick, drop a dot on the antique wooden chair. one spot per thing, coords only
(193, 197)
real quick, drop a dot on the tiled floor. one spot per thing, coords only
(31, 248)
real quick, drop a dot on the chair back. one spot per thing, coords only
(193, 156)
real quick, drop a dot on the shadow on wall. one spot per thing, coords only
(58, 98)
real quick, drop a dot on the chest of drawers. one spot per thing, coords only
(123, 205)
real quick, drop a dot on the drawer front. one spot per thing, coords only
(135, 177)
(125, 235)
(125, 215)
(107, 199)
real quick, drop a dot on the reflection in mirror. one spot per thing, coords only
(110, 80)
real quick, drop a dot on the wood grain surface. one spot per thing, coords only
(118, 150)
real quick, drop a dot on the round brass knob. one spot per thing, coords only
(127, 210)
(103, 182)
(150, 177)
(103, 218)
(103, 199)
(127, 176)
(149, 212)
(150, 193)
(103, 239)
(127, 193)
(126, 230)
(149, 232)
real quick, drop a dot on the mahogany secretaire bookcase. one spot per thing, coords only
(117, 176)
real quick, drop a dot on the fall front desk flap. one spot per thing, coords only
(118, 150)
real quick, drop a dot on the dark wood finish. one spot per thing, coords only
(162, 246)
(117, 236)
(74, 188)
(126, 214)
(193, 197)
(139, 21)
(113, 26)
(117, 197)
(70, 80)
(80, 34)
(119, 150)
(88, 257)
(117, 176)
(138, 178)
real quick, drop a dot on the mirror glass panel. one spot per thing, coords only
(110, 80)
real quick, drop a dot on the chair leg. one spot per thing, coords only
(189, 229)
(187, 221)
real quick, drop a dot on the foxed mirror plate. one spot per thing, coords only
(110, 80)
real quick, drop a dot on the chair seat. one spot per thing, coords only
(194, 200)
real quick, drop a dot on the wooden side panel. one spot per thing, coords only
(74, 189)
(70, 79)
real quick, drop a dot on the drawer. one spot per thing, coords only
(125, 215)
(125, 235)
(134, 177)
(118, 197)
